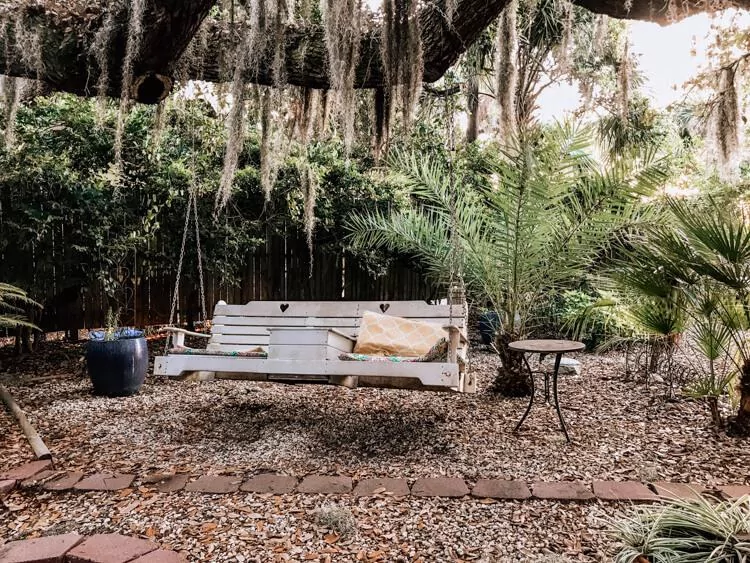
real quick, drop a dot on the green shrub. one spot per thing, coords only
(685, 532)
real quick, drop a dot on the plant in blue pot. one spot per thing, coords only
(488, 324)
(117, 359)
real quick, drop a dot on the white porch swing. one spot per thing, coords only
(307, 341)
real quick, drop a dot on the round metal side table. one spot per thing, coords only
(545, 348)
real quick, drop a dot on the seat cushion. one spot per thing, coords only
(254, 353)
(438, 353)
(385, 335)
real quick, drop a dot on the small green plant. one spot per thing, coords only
(336, 518)
(589, 318)
(112, 322)
(685, 532)
(709, 388)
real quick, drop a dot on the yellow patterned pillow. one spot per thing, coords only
(395, 336)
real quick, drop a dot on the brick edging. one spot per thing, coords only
(100, 548)
(39, 474)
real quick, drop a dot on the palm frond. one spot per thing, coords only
(14, 302)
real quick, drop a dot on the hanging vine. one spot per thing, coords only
(310, 187)
(624, 81)
(132, 49)
(235, 125)
(724, 124)
(12, 90)
(401, 52)
(566, 43)
(342, 23)
(507, 70)
(100, 50)
(272, 150)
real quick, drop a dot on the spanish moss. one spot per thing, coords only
(235, 126)
(624, 82)
(601, 23)
(507, 70)
(160, 121)
(308, 114)
(566, 43)
(100, 50)
(12, 90)
(382, 122)
(401, 46)
(724, 127)
(29, 45)
(272, 152)
(310, 187)
(342, 22)
(132, 49)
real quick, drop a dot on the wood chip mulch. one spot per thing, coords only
(621, 430)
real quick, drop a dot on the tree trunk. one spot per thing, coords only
(512, 378)
(741, 424)
(713, 406)
(472, 107)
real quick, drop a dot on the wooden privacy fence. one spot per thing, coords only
(280, 270)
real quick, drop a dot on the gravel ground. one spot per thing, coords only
(291, 528)
(620, 429)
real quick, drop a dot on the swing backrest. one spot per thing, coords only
(241, 327)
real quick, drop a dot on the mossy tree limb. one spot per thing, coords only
(66, 35)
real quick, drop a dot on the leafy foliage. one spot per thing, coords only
(685, 532)
(14, 304)
(532, 224)
(67, 219)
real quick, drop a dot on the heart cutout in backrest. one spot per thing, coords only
(284, 307)
(384, 307)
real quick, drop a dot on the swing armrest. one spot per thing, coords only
(178, 335)
(455, 336)
(455, 332)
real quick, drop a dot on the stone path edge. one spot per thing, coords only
(36, 475)
(99, 548)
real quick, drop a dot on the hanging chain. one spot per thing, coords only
(194, 197)
(455, 281)
(176, 293)
(200, 259)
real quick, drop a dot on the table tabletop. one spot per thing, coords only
(547, 346)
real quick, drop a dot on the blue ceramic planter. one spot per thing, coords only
(489, 323)
(117, 368)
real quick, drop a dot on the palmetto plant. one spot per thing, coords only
(642, 292)
(698, 531)
(14, 303)
(545, 214)
(710, 244)
(697, 265)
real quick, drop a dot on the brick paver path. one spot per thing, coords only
(72, 548)
(40, 476)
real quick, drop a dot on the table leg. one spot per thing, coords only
(546, 378)
(558, 357)
(531, 399)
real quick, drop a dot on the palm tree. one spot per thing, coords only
(542, 213)
(14, 303)
(712, 244)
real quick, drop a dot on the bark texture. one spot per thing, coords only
(65, 32)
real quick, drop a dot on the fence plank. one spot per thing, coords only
(278, 270)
